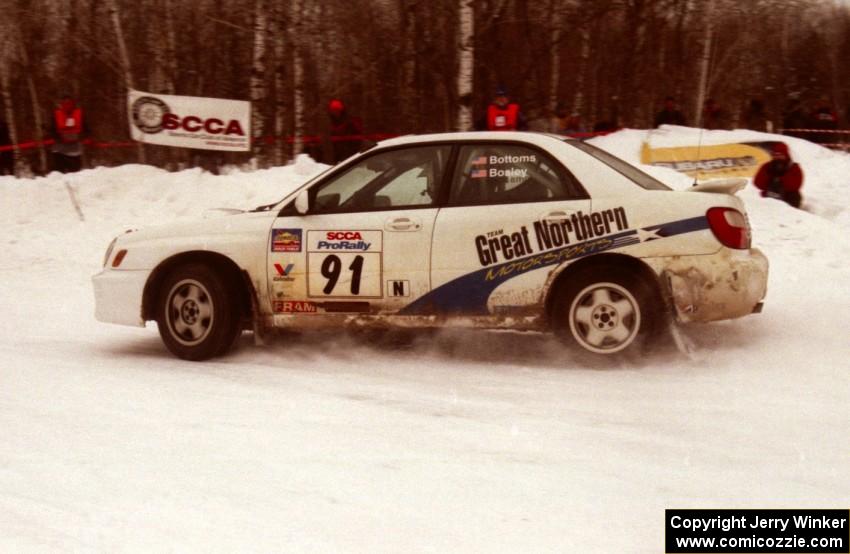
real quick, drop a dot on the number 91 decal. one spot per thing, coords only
(344, 264)
(345, 274)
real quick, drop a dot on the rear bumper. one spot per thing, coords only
(118, 296)
(724, 285)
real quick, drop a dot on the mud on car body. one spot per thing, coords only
(490, 230)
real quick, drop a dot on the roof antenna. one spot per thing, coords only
(699, 157)
(705, 62)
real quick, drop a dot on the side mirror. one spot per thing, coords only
(302, 202)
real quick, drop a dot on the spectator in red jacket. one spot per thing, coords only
(502, 114)
(780, 177)
(69, 132)
(343, 135)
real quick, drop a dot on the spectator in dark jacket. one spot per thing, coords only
(780, 177)
(343, 136)
(755, 117)
(713, 116)
(794, 118)
(823, 117)
(7, 159)
(669, 114)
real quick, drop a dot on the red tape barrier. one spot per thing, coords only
(829, 131)
(304, 139)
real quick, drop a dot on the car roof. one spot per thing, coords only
(516, 136)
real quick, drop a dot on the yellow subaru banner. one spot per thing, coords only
(714, 160)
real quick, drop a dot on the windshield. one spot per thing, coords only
(629, 171)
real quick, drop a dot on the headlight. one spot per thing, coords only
(109, 251)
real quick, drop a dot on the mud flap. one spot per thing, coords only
(683, 344)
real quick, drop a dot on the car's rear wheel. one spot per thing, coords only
(606, 312)
(197, 313)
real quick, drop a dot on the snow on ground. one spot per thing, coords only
(475, 442)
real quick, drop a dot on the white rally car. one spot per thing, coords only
(502, 230)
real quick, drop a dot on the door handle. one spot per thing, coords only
(402, 224)
(555, 215)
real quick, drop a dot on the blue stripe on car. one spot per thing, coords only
(469, 293)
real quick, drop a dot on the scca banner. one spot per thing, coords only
(190, 121)
(714, 160)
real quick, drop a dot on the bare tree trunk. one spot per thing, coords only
(279, 38)
(295, 30)
(705, 59)
(36, 110)
(466, 59)
(584, 57)
(258, 78)
(170, 49)
(115, 17)
(6, 92)
(555, 65)
(407, 94)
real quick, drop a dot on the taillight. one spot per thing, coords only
(730, 227)
(119, 257)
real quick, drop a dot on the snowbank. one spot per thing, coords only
(826, 172)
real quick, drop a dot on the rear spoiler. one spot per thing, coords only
(721, 186)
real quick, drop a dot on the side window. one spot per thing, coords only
(508, 173)
(400, 178)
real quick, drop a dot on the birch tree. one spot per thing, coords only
(257, 85)
(7, 52)
(115, 18)
(296, 39)
(280, 85)
(466, 59)
(705, 60)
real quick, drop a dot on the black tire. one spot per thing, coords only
(198, 312)
(607, 310)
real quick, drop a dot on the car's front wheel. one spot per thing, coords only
(605, 311)
(197, 313)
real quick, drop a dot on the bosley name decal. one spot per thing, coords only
(498, 246)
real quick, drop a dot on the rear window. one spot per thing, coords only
(632, 173)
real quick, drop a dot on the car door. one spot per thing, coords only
(365, 243)
(510, 215)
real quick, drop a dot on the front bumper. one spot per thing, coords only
(724, 285)
(118, 296)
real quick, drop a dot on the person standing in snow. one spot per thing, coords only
(565, 123)
(669, 114)
(69, 130)
(755, 117)
(823, 117)
(713, 116)
(502, 114)
(781, 177)
(343, 136)
(7, 159)
(794, 118)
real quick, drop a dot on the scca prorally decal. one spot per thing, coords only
(548, 235)
(343, 240)
(469, 293)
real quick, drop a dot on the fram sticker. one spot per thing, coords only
(286, 240)
(294, 307)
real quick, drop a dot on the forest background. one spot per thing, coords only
(412, 66)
